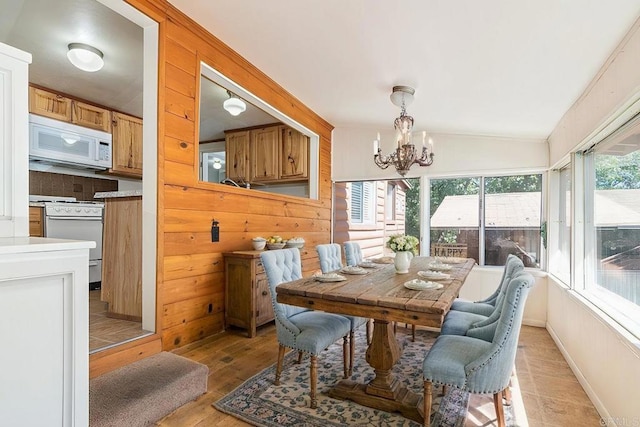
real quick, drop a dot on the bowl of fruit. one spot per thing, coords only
(275, 242)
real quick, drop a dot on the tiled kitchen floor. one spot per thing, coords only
(105, 331)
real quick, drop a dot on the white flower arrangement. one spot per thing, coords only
(401, 243)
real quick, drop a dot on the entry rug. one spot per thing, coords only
(261, 403)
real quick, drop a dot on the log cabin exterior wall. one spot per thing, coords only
(371, 237)
(190, 268)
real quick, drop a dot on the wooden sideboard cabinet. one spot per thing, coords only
(247, 299)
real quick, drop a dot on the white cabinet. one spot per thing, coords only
(14, 137)
(44, 328)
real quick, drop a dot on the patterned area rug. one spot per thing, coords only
(261, 403)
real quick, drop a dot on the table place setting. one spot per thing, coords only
(353, 270)
(383, 260)
(421, 285)
(439, 266)
(329, 277)
(434, 275)
(368, 264)
(451, 260)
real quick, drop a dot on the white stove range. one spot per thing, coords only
(66, 218)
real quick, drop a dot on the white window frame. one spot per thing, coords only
(367, 202)
(390, 209)
(621, 310)
(426, 224)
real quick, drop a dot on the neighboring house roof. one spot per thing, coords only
(617, 207)
(627, 260)
(522, 210)
(511, 210)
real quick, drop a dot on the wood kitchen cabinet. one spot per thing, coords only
(36, 221)
(267, 155)
(53, 105)
(90, 116)
(121, 284)
(265, 144)
(237, 155)
(294, 158)
(247, 299)
(127, 145)
(49, 104)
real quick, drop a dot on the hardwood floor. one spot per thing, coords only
(545, 391)
(105, 331)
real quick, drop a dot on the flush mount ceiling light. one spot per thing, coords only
(406, 153)
(234, 105)
(85, 57)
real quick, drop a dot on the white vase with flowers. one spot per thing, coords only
(405, 247)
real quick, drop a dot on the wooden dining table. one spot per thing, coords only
(380, 294)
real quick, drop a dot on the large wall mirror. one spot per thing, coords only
(246, 143)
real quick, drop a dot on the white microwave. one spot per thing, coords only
(55, 142)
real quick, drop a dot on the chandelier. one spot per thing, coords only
(406, 154)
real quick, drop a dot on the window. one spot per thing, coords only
(612, 225)
(363, 199)
(509, 223)
(455, 217)
(560, 254)
(512, 219)
(390, 205)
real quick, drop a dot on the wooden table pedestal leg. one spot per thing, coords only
(385, 391)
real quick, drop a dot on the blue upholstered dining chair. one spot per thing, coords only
(352, 253)
(512, 267)
(330, 257)
(478, 317)
(475, 365)
(299, 328)
(474, 324)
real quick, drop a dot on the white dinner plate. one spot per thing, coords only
(421, 285)
(383, 260)
(330, 277)
(433, 275)
(368, 264)
(353, 270)
(439, 267)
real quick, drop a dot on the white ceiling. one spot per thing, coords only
(44, 28)
(492, 67)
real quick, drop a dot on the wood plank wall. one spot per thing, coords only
(370, 237)
(190, 267)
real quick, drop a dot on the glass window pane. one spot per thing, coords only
(560, 257)
(390, 205)
(513, 206)
(612, 235)
(455, 217)
(356, 202)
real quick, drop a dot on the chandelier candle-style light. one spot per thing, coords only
(406, 154)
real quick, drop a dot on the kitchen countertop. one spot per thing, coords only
(113, 194)
(16, 245)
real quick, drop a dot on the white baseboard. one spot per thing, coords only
(593, 396)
